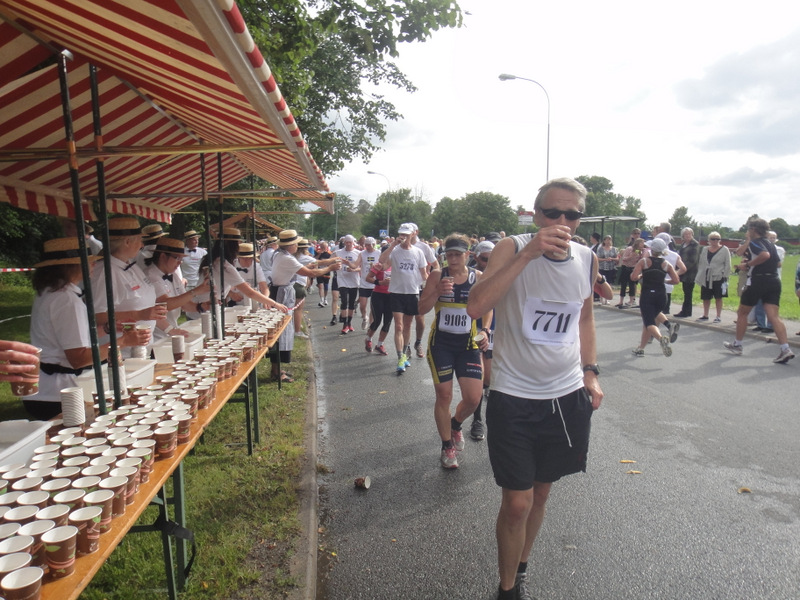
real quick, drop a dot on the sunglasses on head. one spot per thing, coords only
(554, 213)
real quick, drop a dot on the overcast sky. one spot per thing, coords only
(692, 104)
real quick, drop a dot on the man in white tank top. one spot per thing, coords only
(544, 374)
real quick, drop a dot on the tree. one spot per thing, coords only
(680, 219)
(324, 53)
(782, 228)
(477, 212)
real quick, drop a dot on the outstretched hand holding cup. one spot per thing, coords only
(18, 361)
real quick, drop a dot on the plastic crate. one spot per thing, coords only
(19, 438)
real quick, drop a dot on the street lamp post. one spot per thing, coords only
(506, 77)
(388, 201)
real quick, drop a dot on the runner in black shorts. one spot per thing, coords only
(452, 348)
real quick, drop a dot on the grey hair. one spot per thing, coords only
(685, 229)
(564, 183)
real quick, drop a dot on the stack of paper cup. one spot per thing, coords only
(72, 407)
(206, 322)
(178, 347)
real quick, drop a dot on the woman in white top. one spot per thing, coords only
(134, 295)
(229, 243)
(285, 267)
(60, 326)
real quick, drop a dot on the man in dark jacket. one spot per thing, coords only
(690, 255)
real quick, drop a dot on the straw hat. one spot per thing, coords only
(190, 234)
(62, 251)
(122, 227)
(246, 250)
(287, 237)
(304, 243)
(150, 233)
(272, 240)
(170, 246)
(231, 234)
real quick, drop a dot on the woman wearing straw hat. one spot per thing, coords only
(134, 294)
(163, 271)
(60, 326)
(228, 244)
(284, 268)
(247, 266)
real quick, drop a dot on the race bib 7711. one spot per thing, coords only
(551, 322)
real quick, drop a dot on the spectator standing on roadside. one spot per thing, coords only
(690, 255)
(544, 381)
(627, 261)
(714, 267)
(608, 256)
(763, 284)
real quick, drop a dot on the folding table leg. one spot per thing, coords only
(167, 544)
(254, 387)
(178, 499)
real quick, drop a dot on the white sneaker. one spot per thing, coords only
(449, 458)
(364, 323)
(458, 440)
(784, 357)
(300, 334)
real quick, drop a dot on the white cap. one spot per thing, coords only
(370, 241)
(348, 238)
(407, 229)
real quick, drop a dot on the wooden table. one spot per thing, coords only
(86, 567)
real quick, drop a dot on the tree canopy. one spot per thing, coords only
(329, 56)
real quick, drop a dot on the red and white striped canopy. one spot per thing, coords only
(173, 75)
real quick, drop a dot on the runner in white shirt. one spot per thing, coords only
(433, 264)
(408, 268)
(366, 259)
(348, 279)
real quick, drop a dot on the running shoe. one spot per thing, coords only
(301, 334)
(350, 328)
(420, 351)
(717, 320)
(458, 440)
(333, 320)
(408, 362)
(733, 347)
(344, 330)
(364, 323)
(521, 585)
(381, 350)
(665, 347)
(637, 352)
(674, 328)
(477, 431)
(401, 364)
(368, 345)
(325, 302)
(320, 304)
(702, 319)
(784, 357)
(449, 458)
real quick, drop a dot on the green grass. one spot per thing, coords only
(243, 509)
(789, 309)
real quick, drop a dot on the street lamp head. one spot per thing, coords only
(506, 77)
(372, 173)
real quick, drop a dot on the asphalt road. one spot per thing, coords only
(700, 425)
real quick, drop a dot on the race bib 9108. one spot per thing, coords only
(454, 320)
(551, 322)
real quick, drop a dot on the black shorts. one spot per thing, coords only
(762, 287)
(334, 283)
(348, 296)
(537, 440)
(445, 359)
(715, 291)
(408, 304)
(364, 293)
